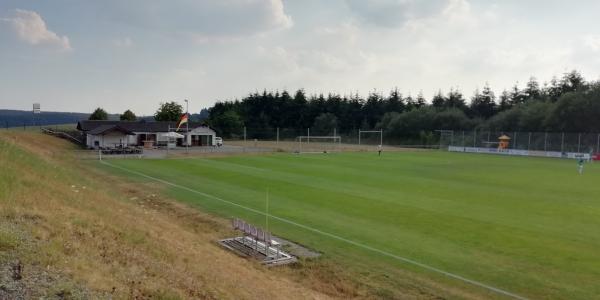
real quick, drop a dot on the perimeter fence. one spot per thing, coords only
(437, 139)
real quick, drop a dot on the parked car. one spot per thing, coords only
(218, 141)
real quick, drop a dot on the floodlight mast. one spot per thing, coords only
(187, 127)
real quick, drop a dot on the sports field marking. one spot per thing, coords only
(363, 246)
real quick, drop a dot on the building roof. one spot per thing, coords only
(104, 129)
(135, 126)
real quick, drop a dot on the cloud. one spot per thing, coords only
(394, 13)
(206, 21)
(125, 42)
(592, 42)
(31, 28)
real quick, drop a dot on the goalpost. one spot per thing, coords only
(361, 132)
(318, 144)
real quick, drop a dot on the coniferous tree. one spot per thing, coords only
(532, 89)
(505, 102)
(483, 103)
(420, 101)
(455, 100)
(438, 100)
(516, 95)
(394, 102)
(411, 104)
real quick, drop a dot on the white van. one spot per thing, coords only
(218, 141)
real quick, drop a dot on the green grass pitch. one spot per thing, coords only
(530, 226)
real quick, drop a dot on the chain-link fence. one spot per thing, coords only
(536, 141)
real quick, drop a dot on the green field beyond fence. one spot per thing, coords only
(530, 226)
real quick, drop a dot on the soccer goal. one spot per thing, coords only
(318, 144)
(370, 138)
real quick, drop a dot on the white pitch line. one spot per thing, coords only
(394, 256)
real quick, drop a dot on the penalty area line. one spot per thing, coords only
(339, 238)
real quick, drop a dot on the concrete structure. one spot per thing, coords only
(115, 134)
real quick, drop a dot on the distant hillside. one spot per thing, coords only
(16, 118)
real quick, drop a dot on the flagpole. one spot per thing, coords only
(187, 127)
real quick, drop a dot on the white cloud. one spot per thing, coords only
(125, 42)
(206, 21)
(31, 28)
(394, 13)
(592, 41)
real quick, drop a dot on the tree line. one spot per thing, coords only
(167, 111)
(566, 104)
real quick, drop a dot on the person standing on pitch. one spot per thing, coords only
(379, 148)
(580, 166)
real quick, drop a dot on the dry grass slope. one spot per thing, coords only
(77, 233)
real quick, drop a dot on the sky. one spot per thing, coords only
(73, 55)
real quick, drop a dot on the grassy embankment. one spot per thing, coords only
(70, 231)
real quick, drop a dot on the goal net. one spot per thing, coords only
(318, 144)
(370, 138)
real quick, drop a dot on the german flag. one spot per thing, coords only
(182, 120)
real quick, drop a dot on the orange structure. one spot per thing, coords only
(504, 142)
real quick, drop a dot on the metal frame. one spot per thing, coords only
(371, 131)
(308, 137)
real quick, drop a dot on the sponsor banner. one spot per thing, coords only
(578, 155)
(516, 152)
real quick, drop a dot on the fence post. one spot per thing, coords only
(277, 135)
(308, 136)
(579, 144)
(359, 137)
(562, 142)
(546, 142)
(463, 141)
(529, 142)
(474, 138)
(515, 144)
(244, 135)
(598, 144)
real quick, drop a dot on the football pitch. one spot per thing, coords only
(526, 226)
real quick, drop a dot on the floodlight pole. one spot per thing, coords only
(187, 127)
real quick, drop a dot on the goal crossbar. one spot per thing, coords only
(360, 132)
(319, 145)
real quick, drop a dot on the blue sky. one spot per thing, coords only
(77, 55)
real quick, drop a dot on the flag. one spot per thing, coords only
(182, 120)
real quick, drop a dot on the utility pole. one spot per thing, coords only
(187, 127)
